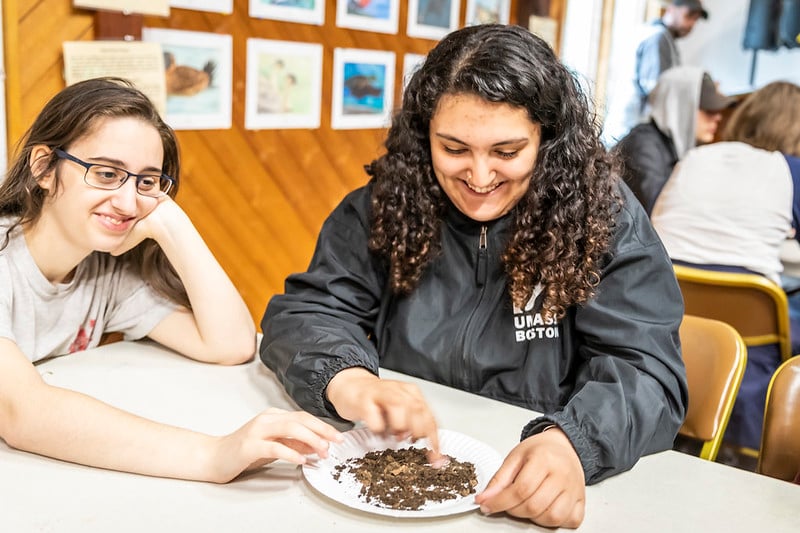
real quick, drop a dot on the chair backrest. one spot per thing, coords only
(755, 306)
(715, 357)
(780, 440)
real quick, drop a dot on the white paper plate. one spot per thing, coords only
(357, 442)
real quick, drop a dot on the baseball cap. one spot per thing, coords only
(693, 5)
(710, 98)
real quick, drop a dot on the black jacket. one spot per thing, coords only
(648, 157)
(609, 374)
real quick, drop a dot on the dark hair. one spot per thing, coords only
(768, 119)
(70, 115)
(561, 226)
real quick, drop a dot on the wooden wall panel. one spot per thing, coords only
(258, 197)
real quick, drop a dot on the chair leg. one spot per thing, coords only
(737, 457)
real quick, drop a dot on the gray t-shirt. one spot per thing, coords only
(46, 319)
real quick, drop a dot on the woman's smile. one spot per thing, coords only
(483, 154)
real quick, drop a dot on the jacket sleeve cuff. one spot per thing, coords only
(586, 452)
(534, 427)
(324, 377)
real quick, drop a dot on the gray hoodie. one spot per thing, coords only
(651, 150)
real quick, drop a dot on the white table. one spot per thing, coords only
(665, 492)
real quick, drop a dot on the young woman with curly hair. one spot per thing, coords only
(495, 251)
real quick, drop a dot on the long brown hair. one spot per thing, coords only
(561, 227)
(769, 119)
(70, 115)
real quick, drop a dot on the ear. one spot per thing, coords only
(39, 159)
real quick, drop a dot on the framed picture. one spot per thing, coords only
(145, 7)
(432, 19)
(197, 70)
(363, 88)
(212, 6)
(284, 84)
(411, 62)
(370, 15)
(487, 11)
(304, 11)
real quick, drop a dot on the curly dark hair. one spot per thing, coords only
(70, 115)
(561, 227)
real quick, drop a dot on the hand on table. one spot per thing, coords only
(541, 480)
(273, 434)
(384, 406)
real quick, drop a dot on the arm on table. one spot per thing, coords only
(630, 390)
(316, 334)
(71, 426)
(218, 328)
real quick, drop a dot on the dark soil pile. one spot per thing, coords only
(403, 479)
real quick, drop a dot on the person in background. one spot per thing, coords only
(493, 250)
(655, 52)
(91, 241)
(686, 109)
(729, 206)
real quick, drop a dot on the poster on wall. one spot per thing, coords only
(145, 7)
(369, 15)
(432, 19)
(303, 11)
(212, 6)
(363, 88)
(488, 12)
(138, 62)
(284, 84)
(198, 77)
(411, 62)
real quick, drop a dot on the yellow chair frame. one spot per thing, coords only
(755, 306)
(715, 357)
(780, 439)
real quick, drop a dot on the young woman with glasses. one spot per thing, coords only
(91, 242)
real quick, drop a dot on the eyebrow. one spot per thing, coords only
(121, 164)
(499, 143)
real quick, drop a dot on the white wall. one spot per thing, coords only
(581, 36)
(716, 45)
(579, 41)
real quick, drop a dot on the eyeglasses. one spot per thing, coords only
(112, 178)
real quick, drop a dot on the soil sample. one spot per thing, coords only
(404, 479)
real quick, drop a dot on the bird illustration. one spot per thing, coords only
(359, 4)
(361, 86)
(183, 80)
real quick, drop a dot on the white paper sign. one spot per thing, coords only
(146, 7)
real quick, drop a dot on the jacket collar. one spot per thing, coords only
(459, 221)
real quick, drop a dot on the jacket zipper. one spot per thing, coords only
(480, 280)
(480, 271)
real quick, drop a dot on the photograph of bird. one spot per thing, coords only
(361, 85)
(183, 80)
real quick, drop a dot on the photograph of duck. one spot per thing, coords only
(363, 87)
(370, 15)
(184, 80)
(376, 9)
(198, 77)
